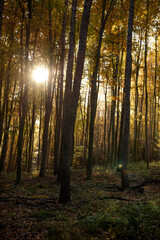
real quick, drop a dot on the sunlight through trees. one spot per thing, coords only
(79, 86)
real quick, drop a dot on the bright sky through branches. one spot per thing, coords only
(40, 74)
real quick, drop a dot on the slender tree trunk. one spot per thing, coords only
(4, 115)
(136, 101)
(94, 92)
(124, 152)
(6, 134)
(13, 162)
(1, 16)
(56, 131)
(68, 87)
(139, 143)
(70, 108)
(83, 122)
(31, 142)
(9, 168)
(109, 137)
(3, 120)
(146, 90)
(39, 135)
(113, 111)
(60, 85)
(1, 101)
(48, 99)
(117, 126)
(31, 134)
(112, 126)
(105, 124)
(24, 99)
(1, 68)
(86, 132)
(155, 97)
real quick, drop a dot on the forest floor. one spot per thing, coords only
(98, 210)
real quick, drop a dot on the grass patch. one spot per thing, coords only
(138, 166)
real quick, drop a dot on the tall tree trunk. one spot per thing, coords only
(117, 126)
(7, 126)
(39, 135)
(60, 86)
(105, 124)
(136, 100)
(1, 68)
(69, 73)
(5, 114)
(146, 90)
(10, 163)
(3, 120)
(70, 108)
(1, 16)
(24, 99)
(86, 132)
(94, 92)
(109, 136)
(1, 100)
(155, 97)
(113, 107)
(139, 142)
(118, 109)
(124, 151)
(48, 97)
(115, 74)
(31, 134)
(31, 141)
(83, 122)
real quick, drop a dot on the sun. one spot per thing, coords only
(40, 74)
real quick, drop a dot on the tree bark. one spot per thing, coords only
(69, 73)
(136, 100)
(7, 126)
(60, 89)
(39, 134)
(48, 97)
(31, 133)
(1, 16)
(24, 99)
(155, 91)
(124, 152)
(70, 108)
(105, 124)
(146, 90)
(86, 132)
(94, 92)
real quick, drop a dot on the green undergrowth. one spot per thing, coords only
(142, 166)
(139, 166)
(98, 209)
(114, 220)
(141, 171)
(132, 221)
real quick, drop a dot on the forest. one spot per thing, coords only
(80, 119)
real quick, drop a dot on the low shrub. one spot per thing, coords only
(137, 221)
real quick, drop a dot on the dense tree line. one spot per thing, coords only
(100, 104)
